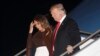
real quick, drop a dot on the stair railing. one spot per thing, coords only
(83, 41)
(22, 51)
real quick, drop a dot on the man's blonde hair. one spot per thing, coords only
(58, 6)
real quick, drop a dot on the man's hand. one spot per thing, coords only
(69, 49)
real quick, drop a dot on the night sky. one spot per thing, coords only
(17, 15)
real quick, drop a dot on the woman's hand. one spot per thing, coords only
(31, 27)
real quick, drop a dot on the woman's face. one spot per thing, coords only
(38, 25)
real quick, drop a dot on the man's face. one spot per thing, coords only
(55, 14)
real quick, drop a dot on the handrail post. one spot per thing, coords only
(20, 52)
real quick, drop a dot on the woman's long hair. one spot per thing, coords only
(42, 20)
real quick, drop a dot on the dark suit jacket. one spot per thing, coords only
(68, 34)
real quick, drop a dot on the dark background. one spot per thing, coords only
(16, 18)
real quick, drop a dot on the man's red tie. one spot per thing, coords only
(54, 36)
